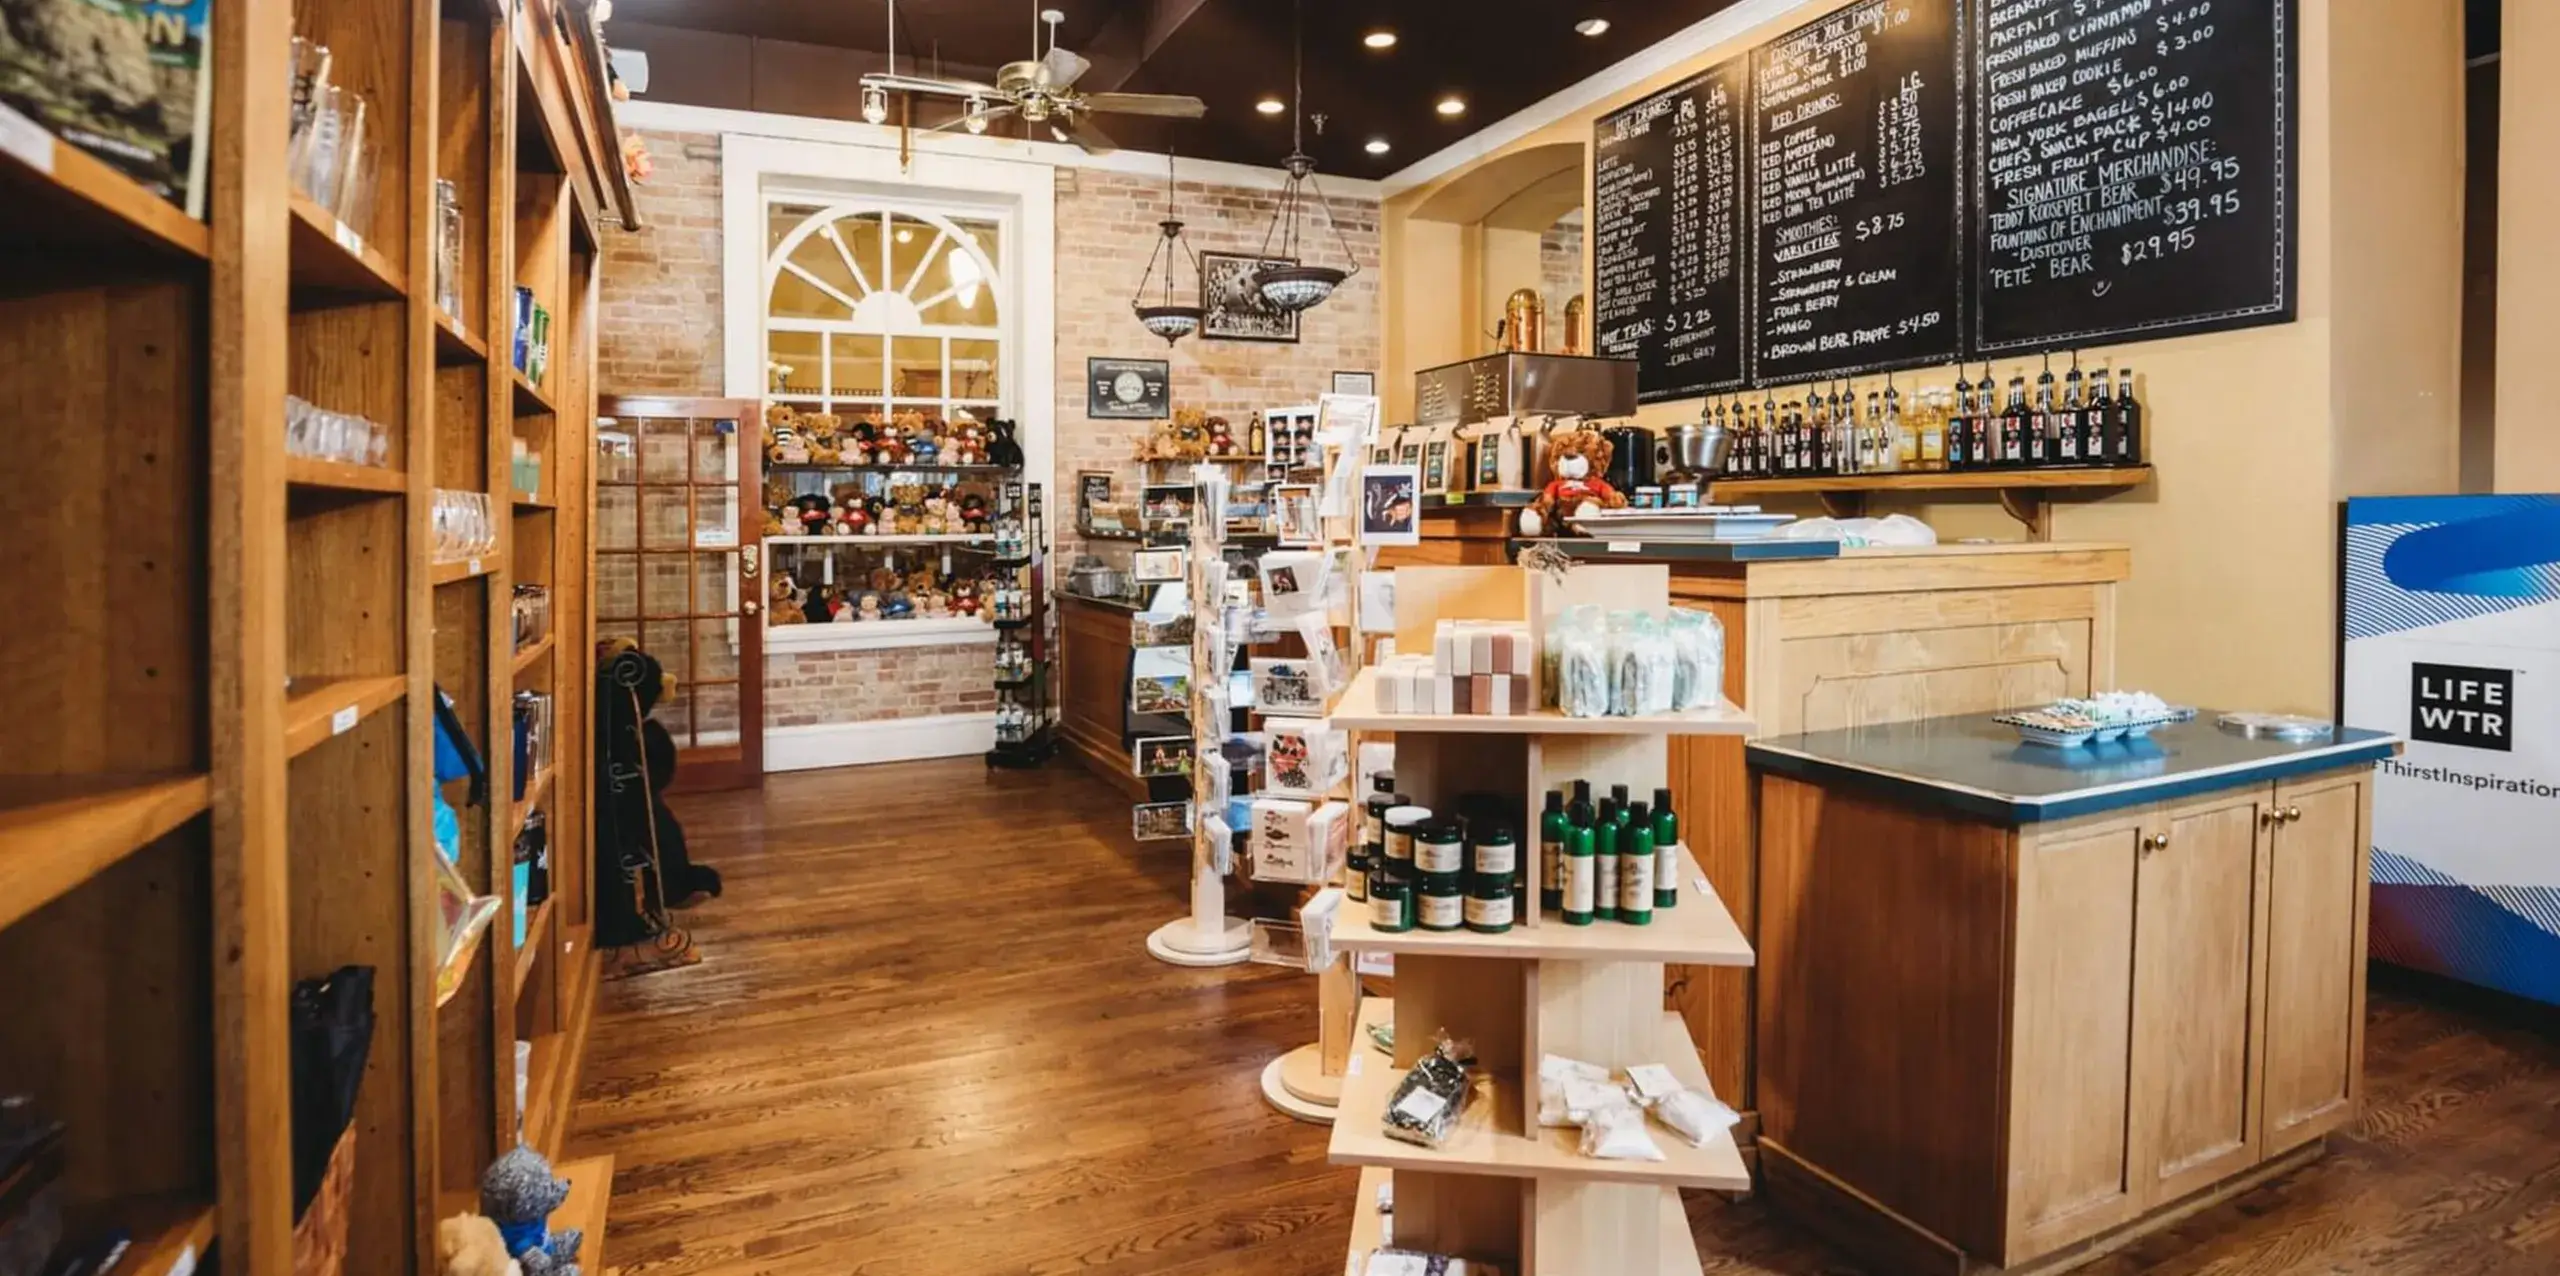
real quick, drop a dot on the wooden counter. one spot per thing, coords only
(1093, 687)
(1876, 635)
(2018, 1003)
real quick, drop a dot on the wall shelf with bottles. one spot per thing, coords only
(2025, 494)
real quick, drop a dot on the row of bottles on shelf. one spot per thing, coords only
(1013, 660)
(2072, 421)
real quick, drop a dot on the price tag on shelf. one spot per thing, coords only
(343, 721)
(1626, 547)
(25, 140)
(475, 567)
(348, 239)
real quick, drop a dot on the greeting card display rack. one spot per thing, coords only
(1501, 1189)
(1026, 697)
(1207, 936)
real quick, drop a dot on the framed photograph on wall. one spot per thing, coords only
(1157, 566)
(1236, 310)
(1128, 389)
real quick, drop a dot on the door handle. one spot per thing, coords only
(2292, 813)
(2155, 842)
(751, 607)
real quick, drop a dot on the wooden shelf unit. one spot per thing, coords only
(1501, 1189)
(2026, 494)
(198, 811)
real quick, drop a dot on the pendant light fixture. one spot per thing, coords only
(1169, 318)
(1299, 287)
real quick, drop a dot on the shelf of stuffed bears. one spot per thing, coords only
(1500, 1188)
(874, 524)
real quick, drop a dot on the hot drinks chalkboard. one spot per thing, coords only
(1669, 234)
(2134, 175)
(1857, 133)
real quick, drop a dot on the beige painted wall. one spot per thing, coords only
(2528, 435)
(2256, 433)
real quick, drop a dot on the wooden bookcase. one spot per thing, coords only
(220, 690)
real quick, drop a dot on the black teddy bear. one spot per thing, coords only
(1002, 449)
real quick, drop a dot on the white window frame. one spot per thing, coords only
(942, 218)
(1020, 196)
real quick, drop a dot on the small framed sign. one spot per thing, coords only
(1128, 389)
(1364, 383)
(1157, 566)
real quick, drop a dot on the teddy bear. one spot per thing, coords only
(821, 431)
(518, 1193)
(786, 601)
(869, 607)
(1222, 437)
(1184, 438)
(968, 444)
(777, 418)
(858, 443)
(1576, 458)
(973, 514)
(964, 598)
(1002, 449)
(812, 515)
(939, 518)
(469, 1245)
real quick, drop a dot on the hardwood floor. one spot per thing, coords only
(926, 1040)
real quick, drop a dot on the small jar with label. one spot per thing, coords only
(1490, 909)
(1382, 799)
(1493, 856)
(1402, 823)
(1439, 850)
(1390, 903)
(1439, 901)
(1355, 874)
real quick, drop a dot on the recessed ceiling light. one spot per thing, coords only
(1379, 39)
(1377, 146)
(1592, 26)
(1453, 106)
(1271, 106)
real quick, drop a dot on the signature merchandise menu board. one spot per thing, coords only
(1667, 196)
(2129, 178)
(2133, 176)
(1859, 199)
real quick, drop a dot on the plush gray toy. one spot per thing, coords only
(518, 1193)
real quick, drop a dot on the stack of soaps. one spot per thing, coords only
(1475, 667)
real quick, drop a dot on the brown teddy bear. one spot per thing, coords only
(784, 607)
(1576, 458)
(823, 431)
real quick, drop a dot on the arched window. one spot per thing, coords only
(872, 309)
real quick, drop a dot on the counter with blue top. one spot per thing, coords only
(2017, 1003)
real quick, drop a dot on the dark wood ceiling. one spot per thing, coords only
(803, 56)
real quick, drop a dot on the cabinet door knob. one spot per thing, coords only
(2292, 813)
(2156, 842)
(2271, 817)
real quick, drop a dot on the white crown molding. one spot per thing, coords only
(671, 117)
(1689, 43)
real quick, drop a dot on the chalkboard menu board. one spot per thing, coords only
(2134, 176)
(1669, 234)
(1857, 134)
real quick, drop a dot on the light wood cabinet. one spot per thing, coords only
(2180, 1007)
(2316, 857)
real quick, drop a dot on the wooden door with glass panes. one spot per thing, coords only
(679, 570)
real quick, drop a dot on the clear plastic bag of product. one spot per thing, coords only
(1426, 1104)
(1556, 1088)
(1580, 638)
(1697, 650)
(1694, 1116)
(1615, 1132)
(1641, 665)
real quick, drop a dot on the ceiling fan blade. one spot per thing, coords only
(1082, 133)
(1061, 69)
(1168, 105)
(893, 83)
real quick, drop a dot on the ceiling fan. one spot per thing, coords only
(1040, 91)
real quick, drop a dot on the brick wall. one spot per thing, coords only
(1106, 229)
(661, 334)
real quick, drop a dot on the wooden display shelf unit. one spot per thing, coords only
(167, 1236)
(1500, 1188)
(314, 475)
(590, 1193)
(70, 197)
(332, 261)
(2026, 494)
(457, 346)
(333, 706)
(528, 657)
(534, 793)
(58, 831)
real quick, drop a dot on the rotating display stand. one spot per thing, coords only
(1501, 1189)
(1206, 936)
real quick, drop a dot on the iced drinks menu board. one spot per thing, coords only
(1900, 183)
(1667, 205)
